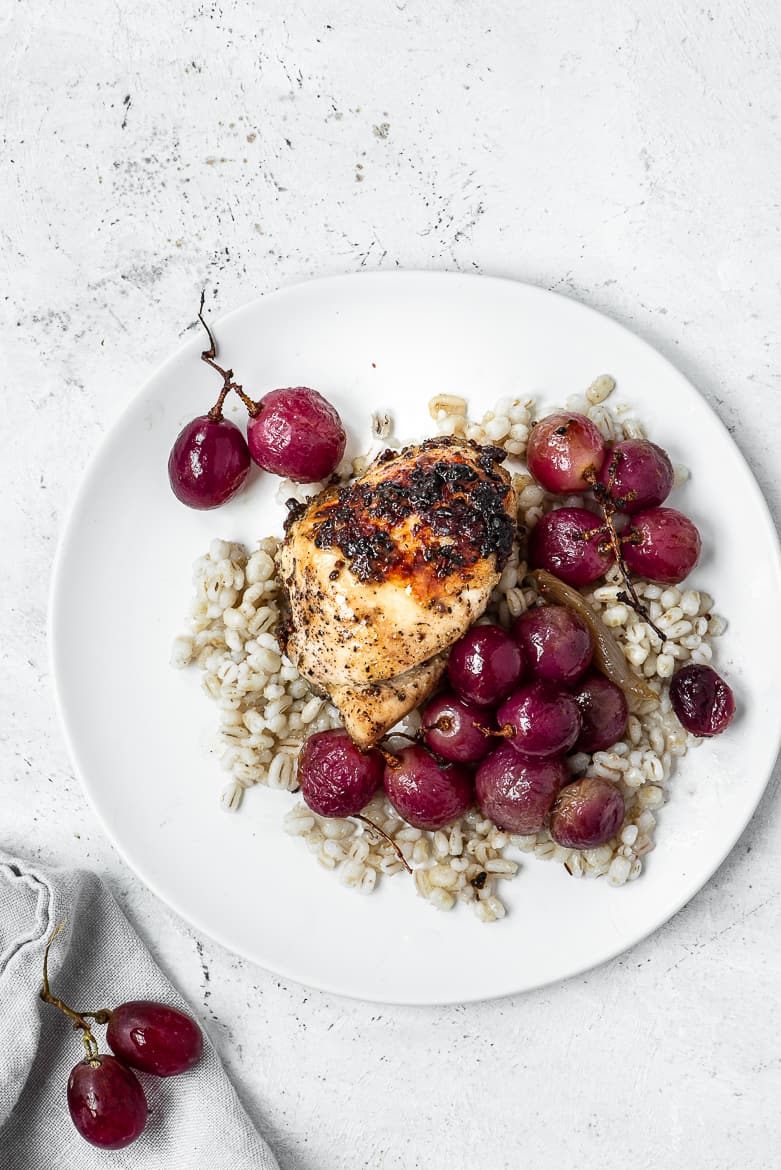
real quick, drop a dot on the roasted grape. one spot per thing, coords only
(637, 474)
(453, 729)
(571, 543)
(296, 433)
(604, 713)
(556, 643)
(587, 813)
(337, 779)
(543, 719)
(565, 452)
(516, 792)
(485, 665)
(209, 462)
(661, 545)
(702, 700)
(425, 793)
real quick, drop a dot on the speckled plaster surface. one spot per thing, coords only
(626, 154)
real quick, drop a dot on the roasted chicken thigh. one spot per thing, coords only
(383, 574)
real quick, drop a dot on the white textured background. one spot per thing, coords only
(628, 154)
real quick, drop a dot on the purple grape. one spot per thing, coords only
(106, 1102)
(517, 793)
(451, 728)
(153, 1037)
(425, 793)
(604, 712)
(587, 813)
(638, 475)
(558, 543)
(702, 700)
(485, 665)
(661, 545)
(545, 720)
(337, 779)
(209, 462)
(556, 643)
(296, 433)
(565, 452)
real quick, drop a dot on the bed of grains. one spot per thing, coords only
(267, 710)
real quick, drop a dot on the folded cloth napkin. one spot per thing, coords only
(195, 1120)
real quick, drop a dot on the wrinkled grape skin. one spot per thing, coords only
(545, 720)
(153, 1037)
(638, 475)
(516, 792)
(587, 813)
(604, 712)
(107, 1104)
(337, 779)
(451, 729)
(485, 665)
(667, 549)
(702, 700)
(567, 462)
(209, 462)
(297, 434)
(556, 643)
(556, 544)
(426, 794)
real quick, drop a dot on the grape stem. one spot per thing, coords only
(208, 356)
(381, 833)
(78, 1018)
(504, 732)
(608, 507)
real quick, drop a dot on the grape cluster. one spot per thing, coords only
(519, 702)
(516, 704)
(106, 1101)
(567, 453)
(293, 432)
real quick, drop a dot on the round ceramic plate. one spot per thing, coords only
(139, 732)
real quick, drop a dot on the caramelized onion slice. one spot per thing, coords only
(608, 655)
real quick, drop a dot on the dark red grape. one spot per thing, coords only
(661, 545)
(556, 643)
(153, 1037)
(296, 433)
(604, 712)
(451, 728)
(106, 1102)
(337, 779)
(702, 700)
(565, 452)
(517, 793)
(638, 474)
(587, 813)
(571, 543)
(426, 794)
(209, 462)
(485, 665)
(545, 720)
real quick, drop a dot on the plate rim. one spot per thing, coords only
(82, 492)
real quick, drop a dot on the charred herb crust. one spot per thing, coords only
(460, 510)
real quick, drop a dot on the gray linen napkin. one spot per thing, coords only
(195, 1120)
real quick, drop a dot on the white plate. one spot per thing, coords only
(139, 732)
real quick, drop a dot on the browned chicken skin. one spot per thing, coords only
(384, 574)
